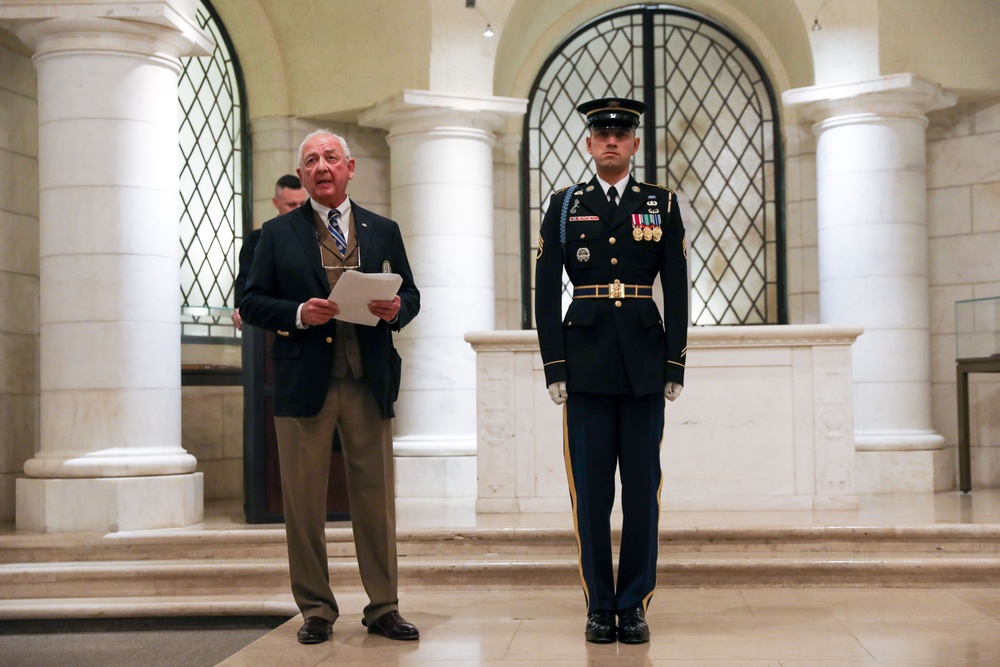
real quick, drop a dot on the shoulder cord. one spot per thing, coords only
(565, 215)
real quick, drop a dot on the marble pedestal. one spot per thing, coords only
(109, 504)
(766, 422)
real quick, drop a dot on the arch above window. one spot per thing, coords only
(710, 133)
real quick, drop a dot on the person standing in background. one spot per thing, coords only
(288, 196)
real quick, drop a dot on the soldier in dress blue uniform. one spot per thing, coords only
(613, 359)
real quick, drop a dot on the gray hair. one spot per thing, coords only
(316, 133)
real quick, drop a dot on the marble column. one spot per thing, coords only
(873, 266)
(441, 155)
(110, 455)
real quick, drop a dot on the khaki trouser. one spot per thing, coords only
(304, 447)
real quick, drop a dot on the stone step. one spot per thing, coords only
(268, 543)
(244, 569)
(266, 578)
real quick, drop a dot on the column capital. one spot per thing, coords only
(112, 25)
(896, 95)
(422, 110)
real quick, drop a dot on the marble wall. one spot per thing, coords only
(18, 271)
(801, 238)
(507, 231)
(212, 431)
(963, 216)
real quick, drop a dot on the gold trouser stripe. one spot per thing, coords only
(645, 601)
(572, 497)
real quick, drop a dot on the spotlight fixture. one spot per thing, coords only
(816, 27)
(488, 32)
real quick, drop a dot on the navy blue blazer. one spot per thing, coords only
(287, 271)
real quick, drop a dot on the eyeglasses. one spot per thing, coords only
(353, 266)
(333, 268)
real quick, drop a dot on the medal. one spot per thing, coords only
(583, 255)
(647, 233)
(637, 233)
(657, 233)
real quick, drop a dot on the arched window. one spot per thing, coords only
(710, 133)
(214, 185)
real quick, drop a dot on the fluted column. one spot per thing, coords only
(441, 153)
(873, 271)
(110, 456)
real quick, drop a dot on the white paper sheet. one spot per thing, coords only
(354, 290)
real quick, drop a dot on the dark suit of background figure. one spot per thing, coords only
(245, 261)
(287, 271)
(616, 356)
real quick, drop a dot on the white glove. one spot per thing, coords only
(558, 393)
(672, 391)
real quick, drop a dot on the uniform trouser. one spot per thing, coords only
(603, 431)
(304, 448)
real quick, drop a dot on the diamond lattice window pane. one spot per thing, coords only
(211, 184)
(713, 128)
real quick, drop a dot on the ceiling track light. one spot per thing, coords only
(488, 32)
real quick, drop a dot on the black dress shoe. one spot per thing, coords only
(632, 628)
(393, 626)
(315, 630)
(600, 627)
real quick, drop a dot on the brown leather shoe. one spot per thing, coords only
(315, 630)
(393, 626)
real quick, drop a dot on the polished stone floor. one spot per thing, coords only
(709, 627)
(763, 627)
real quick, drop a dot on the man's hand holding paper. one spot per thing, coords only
(365, 298)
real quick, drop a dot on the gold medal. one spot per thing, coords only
(637, 233)
(647, 233)
(657, 233)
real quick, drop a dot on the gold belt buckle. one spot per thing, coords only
(616, 290)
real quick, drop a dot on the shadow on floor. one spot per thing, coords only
(200, 641)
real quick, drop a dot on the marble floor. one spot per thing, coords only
(763, 627)
(708, 627)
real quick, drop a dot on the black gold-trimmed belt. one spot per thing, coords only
(615, 290)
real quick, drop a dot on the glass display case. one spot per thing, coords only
(977, 350)
(977, 328)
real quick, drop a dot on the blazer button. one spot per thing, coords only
(329, 340)
(612, 240)
(614, 260)
(570, 323)
(618, 304)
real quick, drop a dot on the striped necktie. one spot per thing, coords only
(333, 224)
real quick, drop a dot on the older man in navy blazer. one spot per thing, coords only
(329, 374)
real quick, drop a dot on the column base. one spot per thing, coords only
(435, 467)
(109, 504)
(922, 471)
